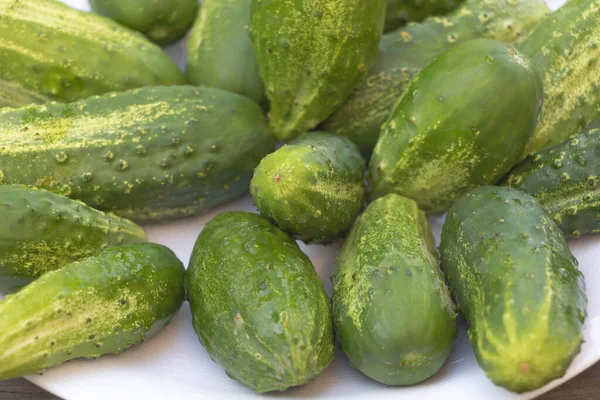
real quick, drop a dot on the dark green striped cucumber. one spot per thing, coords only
(97, 306)
(312, 187)
(402, 54)
(565, 178)
(258, 306)
(391, 307)
(53, 51)
(442, 140)
(220, 52)
(565, 49)
(399, 12)
(42, 231)
(517, 285)
(163, 22)
(148, 154)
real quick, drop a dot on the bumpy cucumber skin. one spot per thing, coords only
(258, 306)
(163, 22)
(311, 55)
(148, 154)
(402, 54)
(220, 52)
(43, 231)
(63, 54)
(392, 310)
(565, 179)
(399, 12)
(565, 49)
(517, 285)
(442, 140)
(13, 95)
(97, 306)
(312, 187)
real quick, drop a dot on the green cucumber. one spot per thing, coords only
(311, 55)
(565, 179)
(399, 12)
(97, 306)
(517, 285)
(220, 52)
(392, 310)
(163, 22)
(43, 231)
(258, 306)
(312, 187)
(148, 154)
(404, 53)
(442, 140)
(54, 51)
(565, 49)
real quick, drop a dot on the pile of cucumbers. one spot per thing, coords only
(100, 131)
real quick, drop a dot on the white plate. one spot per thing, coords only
(174, 365)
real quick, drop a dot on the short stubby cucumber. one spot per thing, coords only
(565, 49)
(312, 187)
(43, 231)
(100, 305)
(163, 22)
(392, 310)
(220, 52)
(258, 306)
(399, 12)
(148, 154)
(404, 53)
(517, 285)
(311, 55)
(53, 51)
(442, 140)
(565, 179)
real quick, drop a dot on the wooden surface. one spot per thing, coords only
(583, 387)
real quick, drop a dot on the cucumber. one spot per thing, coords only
(258, 306)
(565, 180)
(97, 306)
(516, 284)
(220, 52)
(392, 310)
(565, 49)
(163, 22)
(399, 12)
(442, 140)
(148, 154)
(312, 187)
(53, 51)
(311, 55)
(404, 53)
(43, 231)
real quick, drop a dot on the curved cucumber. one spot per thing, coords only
(391, 307)
(97, 306)
(148, 154)
(399, 12)
(517, 285)
(441, 141)
(258, 306)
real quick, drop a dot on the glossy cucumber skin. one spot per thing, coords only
(64, 54)
(565, 179)
(100, 305)
(311, 55)
(399, 12)
(220, 52)
(163, 22)
(517, 285)
(42, 231)
(312, 187)
(441, 141)
(148, 154)
(565, 49)
(392, 310)
(402, 54)
(258, 306)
